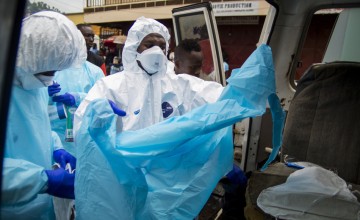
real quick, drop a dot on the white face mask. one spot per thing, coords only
(153, 60)
(46, 80)
(30, 82)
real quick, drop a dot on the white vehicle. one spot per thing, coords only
(323, 106)
(322, 103)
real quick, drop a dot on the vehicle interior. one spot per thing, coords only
(319, 92)
(321, 102)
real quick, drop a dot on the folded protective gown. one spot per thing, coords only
(167, 170)
(310, 193)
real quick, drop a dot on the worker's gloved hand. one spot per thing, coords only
(67, 99)
(53, 89)
(61, 183)
(116, 109)
(237, 176)
(63, 157)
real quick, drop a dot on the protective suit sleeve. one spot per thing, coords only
(94, 74)
(56, 141)
(22, 181)
(79, 96)
(197, 92)
(97, 91)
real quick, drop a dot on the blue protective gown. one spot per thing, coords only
(24, 164)
(47, 43)
(78, 82)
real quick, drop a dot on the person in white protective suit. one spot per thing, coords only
(70, 88)
(173, 143)
(49, 42)
(146, 90)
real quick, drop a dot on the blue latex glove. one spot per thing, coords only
(63, 157)
(53, 89)
(116, 109)
(60, 183)
(67, 99)
(237, 176)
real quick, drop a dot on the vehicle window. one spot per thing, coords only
(199, 23)
(343, 45)
(240, 25)
(195, 28)
(317, 38)
(332, 36)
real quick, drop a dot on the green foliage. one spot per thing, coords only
(33, 7)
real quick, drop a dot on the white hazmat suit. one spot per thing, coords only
(49, 42)
(149, 99)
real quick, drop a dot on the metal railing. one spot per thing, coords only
(105, 3)
(96, 3)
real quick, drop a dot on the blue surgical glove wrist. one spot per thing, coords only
(63, 157)
(53, 89)
(66, 98)
(60, 183)
(116, 109)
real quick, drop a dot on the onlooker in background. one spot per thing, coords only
(188, 57)
(109, 58)
(116, 65)
(226, 64)
(102, 51)
(94, 49)
(88, 34)
(31, 146)
(207, 69)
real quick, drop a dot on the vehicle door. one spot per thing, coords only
(11, 14)
(198, 22)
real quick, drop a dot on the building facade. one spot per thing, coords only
(239, 23)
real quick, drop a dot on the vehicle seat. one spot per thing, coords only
(323, 122)
(322, 127)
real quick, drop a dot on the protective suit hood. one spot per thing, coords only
(141, 28)
(38, 32)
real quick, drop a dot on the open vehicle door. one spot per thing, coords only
(198, 22)
(11, 14)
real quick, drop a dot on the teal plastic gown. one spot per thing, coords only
(47, 43)
(23, 176)
(167, 170)
(77, 82)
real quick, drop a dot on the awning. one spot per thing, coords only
(116, 39)
(221, 9)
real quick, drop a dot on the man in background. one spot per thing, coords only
(188, 57)
(88, 34)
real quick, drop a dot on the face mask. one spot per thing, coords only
(46, 80)
(152, 60)
(30, 82)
